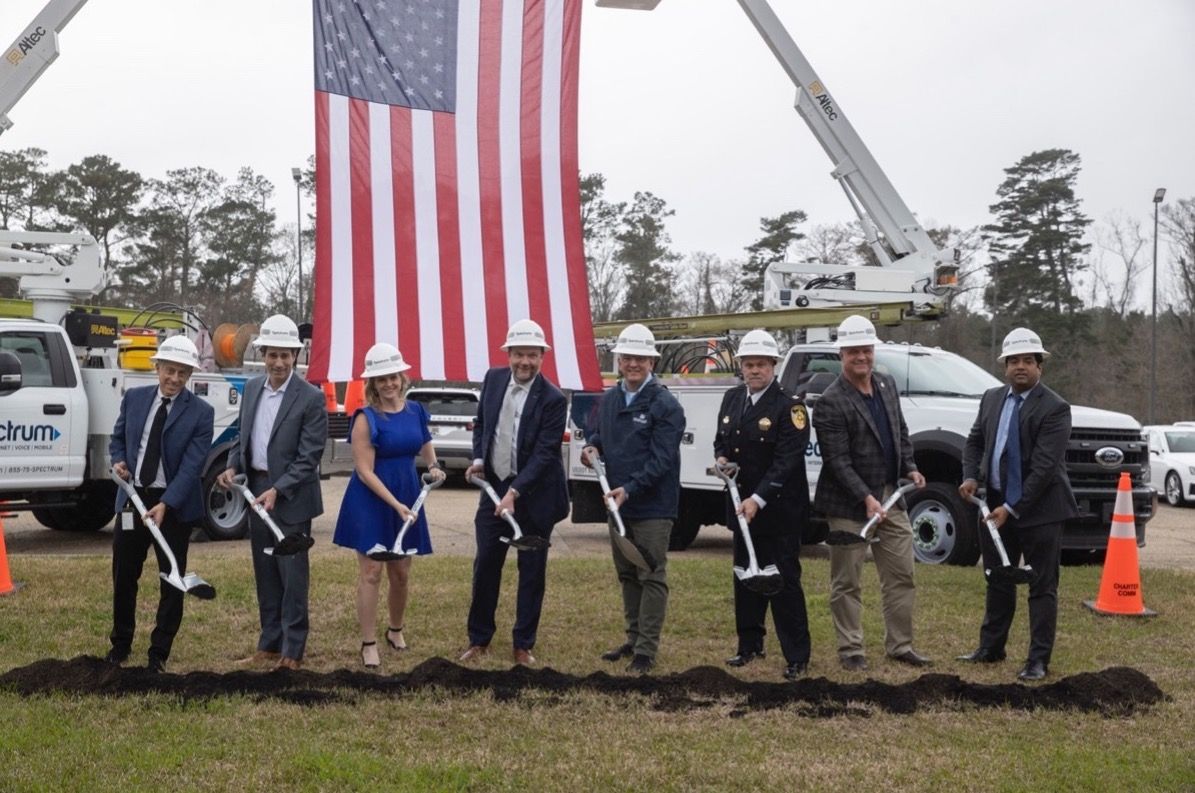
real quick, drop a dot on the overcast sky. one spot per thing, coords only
(686, 101)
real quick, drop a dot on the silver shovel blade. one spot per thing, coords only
(632, 552)
(1012, 575)
(191, 584)
(767, 581)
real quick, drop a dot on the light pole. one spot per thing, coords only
(298, 176)
(1159, 194)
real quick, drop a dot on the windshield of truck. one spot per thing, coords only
(1180, 442)
(934, 374)
(446, 404)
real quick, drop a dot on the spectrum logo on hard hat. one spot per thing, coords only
(856, 331)
(1022, 341)
(526, 333)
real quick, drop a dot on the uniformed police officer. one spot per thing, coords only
(764, 431)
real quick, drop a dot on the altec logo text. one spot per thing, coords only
(29, 433)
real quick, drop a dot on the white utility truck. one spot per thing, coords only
(939, 390)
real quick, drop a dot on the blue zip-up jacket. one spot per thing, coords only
(640, 444)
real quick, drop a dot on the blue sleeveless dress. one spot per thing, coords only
(365, 520)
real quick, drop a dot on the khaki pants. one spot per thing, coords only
(644, 594)
(893, 556)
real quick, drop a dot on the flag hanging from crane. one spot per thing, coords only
(447, 195)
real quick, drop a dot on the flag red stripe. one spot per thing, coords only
(447, 208)
(574, 245)
(362, 213)
(407, 280)
(490, 173)
(321, 342)
(531, 120)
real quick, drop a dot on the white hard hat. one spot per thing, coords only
(636, 339)
(526, 333)
(1022, 341)
(383, 359)
(279, 331)
(856, 331)
(178, 349)
(758, 342)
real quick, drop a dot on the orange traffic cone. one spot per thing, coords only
(354, 396)
(1120, 585)
(7, 587)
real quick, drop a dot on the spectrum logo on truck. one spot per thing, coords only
(28, 433)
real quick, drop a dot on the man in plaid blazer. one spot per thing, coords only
(865, 449)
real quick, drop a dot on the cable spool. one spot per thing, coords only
(230, 342)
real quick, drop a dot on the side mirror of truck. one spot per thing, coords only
(10, 373)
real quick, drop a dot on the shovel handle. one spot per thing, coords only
(889, 503)
(489, 491)
(240, 483)
(986, 514)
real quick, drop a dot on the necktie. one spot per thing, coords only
(504, 441)
(1012, 454)
(153, 448)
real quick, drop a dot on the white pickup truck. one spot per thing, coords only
(940, 398)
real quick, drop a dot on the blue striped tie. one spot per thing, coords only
(1012, 454)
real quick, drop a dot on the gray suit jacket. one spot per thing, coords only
(296, 445)
(1046, 495)
(853, 464)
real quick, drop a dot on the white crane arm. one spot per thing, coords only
(32, 51)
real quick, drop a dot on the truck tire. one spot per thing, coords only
(687, 524)
(225, 513)
(93, 511)
(944, 530)
(1174, 489)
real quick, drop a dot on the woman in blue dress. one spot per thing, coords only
(386, 436)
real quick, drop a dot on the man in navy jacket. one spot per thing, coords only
(516, 447)
(160, 442)
(637, 434)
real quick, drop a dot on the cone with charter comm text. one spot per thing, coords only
(1120, 584)
(7, 587)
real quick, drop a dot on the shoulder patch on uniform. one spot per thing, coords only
(800, 416)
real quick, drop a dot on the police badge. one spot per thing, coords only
(765, 424)
(800, 417)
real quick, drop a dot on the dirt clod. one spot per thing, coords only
(1116, 691)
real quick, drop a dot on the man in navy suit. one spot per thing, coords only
(160, 441)
(516, 447)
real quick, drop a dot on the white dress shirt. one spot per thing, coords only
(160, 476)
(263, 423)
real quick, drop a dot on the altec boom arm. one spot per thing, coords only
(34, 49)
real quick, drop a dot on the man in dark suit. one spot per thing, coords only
(160, 441)
(283, 429)
(764, 431)
(865, 449)
(1017, 448)
(516, 447)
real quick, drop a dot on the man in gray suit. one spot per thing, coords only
(283, 429)
(1017, 448)
(865, 449)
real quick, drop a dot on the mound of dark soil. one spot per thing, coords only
(1116, 691)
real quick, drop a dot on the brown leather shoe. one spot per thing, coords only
(262, 658)
(524, 657)
(289, 663)
(474, 653)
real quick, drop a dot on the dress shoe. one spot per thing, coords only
(983, 655)
(793, 671)
(853, 663)
(116, 656)
(745, 657)
(293, 664)
(641, 664)
(474, 653)
(524, 657)
(262, 658)
(156, 666)
(619, 652)
(912, 658)
(1033, 670)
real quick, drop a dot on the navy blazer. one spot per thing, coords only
(540, 482)
(1046, 495)
(186, 440)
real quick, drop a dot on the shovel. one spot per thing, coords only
(626, 546)
(284, 544)
(766, 581)
(519, 540)
(852, 538)
(379, 552)
(190, 583)
(1006, 572)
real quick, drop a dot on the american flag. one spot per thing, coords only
(447, 196)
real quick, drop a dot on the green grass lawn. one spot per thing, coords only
(433, 740)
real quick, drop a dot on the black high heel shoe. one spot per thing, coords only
(393, 644)
(364, 662)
